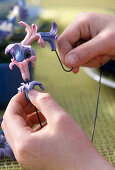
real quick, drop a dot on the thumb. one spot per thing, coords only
(46, 104)
(88, 50)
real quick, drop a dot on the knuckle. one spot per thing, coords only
(44, 97)
(84, 17)
(107, 36)
(81, 15)
(62, 121)
(110, 35)
(60, 118)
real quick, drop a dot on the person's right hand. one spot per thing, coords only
(89, 41)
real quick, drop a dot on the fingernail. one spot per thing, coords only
(33, 94)
(71, 59)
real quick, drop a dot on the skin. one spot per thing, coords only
(89, 41)
(61, 144)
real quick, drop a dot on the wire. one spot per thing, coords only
(61, 63)
(99, 88)
(38, 117)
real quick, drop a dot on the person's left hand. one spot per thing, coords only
(60, 145)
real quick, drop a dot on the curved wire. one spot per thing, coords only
(61, 63)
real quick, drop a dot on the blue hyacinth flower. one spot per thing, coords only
(29, 86)
(51, 36)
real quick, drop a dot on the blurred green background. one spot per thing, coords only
(77, 94)
(64, 12)
(77, 3)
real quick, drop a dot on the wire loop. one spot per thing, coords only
(61, 63)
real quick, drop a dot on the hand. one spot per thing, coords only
(60, 145)
(89, 41)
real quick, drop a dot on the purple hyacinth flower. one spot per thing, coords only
(19, 10)
(22, 55)
(5, 150)
(1, 132)
(19, 52)
(2, 139)
(29, 86)
(2, 153)
(51, 36)
(8, 151)
(23, 11)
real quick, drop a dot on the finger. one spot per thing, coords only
(88, 50)
(21, 99)
(75, 70)
(32, 119)
(97, 61)
(26, 105)
(37, 128)
(79, 29)
(74, 35)
(46, 104)
(14, 117)
(29, 108)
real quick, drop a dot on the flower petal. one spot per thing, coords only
(23, 11)
(8, 48)
(29, 86)
(51, 36)
(22, 55)
(2, 139)
(8, 152)
(19, 51)
(2, 153)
